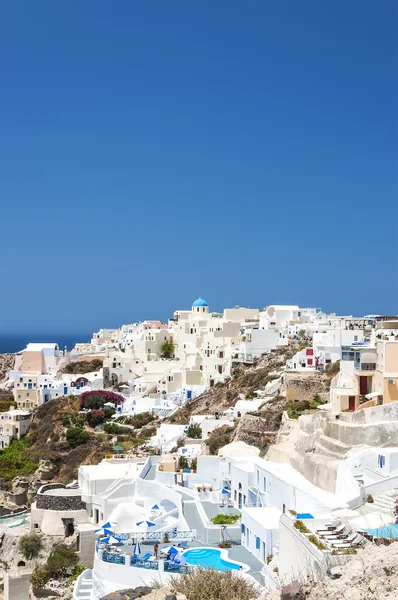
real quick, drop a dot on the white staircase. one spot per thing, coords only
(386, 502)
(83, 586)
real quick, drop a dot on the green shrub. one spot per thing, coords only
(39, 577)
(15, 460)
(369, 499)
(301, 527)
(78, 570)
(76, 436)
(30, 545)
(60, 561)
(115, 429)
(314, 540)
(211, 584)
(83, 366)
(183, 462)
(194, 431)
(108, 412)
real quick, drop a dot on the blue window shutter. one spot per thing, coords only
(242, 528)
(257, 543)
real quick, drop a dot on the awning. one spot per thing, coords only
(373, 395)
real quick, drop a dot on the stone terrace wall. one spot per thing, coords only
(54, 502)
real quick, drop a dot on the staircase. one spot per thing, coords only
(83, 586)
(331, 448)
(386, 503)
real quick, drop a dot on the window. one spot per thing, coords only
(355, 338)
(265, 484)
(391, 381)
(381, 461)
(283, 508)
(235, 495)
(242, 527)
(258, 542)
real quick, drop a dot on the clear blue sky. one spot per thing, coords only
(152, 152)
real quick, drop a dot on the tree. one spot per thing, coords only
(302, 333)
(61, 560)
(76, 436)
(194, 431)
(167, 349)
(224, 520)
(30, 545)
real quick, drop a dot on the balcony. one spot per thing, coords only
(365, 366)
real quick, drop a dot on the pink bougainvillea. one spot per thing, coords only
(97, 398)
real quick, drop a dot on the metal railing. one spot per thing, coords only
(117, 559)
(156, 535)
(365, 366)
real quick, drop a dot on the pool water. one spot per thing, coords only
(387, 531)
(209, 557)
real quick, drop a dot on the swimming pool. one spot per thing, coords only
(209, 557)
(387, 531)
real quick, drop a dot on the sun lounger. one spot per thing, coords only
(146, 556)
(183, 545)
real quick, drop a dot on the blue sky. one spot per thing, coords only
(152, 152)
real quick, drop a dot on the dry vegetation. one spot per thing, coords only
(210, 584)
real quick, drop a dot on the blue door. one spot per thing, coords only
(65, 390)
(189, 394)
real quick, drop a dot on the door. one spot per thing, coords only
(240, 500)
(351, 403)
(363, 384)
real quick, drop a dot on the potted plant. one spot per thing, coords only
(166, 538)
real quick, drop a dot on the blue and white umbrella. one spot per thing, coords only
(137, 550)
(155, 507)
(110, 539)
(225, 492)
(145, 524)
(103, 531)
(109, 524)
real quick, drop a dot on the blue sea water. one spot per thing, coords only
(17, 342)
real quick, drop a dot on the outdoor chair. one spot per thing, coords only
(146, 556)
(183, 545)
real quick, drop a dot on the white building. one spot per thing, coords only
(13, 425)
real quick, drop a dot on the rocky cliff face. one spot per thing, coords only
(7, 362)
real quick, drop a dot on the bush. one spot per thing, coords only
(115, 429)
(314, 540)
(61, 560)
(210, 584)
(108, 412)
(369, 499)
(269, 558)
(5, 405)
(76, 436)
(138, 421)
(194, 431)
(97, 398)
(15, 460)
(78, 570)
(39, 577)
(301, 527)
(183, 462)
(83, 366)
(30, 545)
(95, 417)
(194, 464)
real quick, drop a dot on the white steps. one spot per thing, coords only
(84, 586)
(385, 503)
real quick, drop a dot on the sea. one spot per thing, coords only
(19, 341)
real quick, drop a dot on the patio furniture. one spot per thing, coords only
(183, 545)
(146, 556)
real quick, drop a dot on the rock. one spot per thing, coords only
(129, 594)
(293, 591)
(334, 572)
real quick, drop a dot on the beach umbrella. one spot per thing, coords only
(118, 448)
(225, 492)
(145, 524)
(109, 524)
(110, 539)
(103, 531)
(170, 550)
(137, 549)
(155, 507)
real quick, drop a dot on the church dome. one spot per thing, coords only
(200, 302)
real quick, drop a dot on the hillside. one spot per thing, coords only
(245, 380)
(7, 362)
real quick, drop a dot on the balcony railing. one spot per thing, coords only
(157, 535)
(117, 559)
(365, 366)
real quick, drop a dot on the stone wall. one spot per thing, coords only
(55, 502)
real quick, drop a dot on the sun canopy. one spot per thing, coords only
(145, 524)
